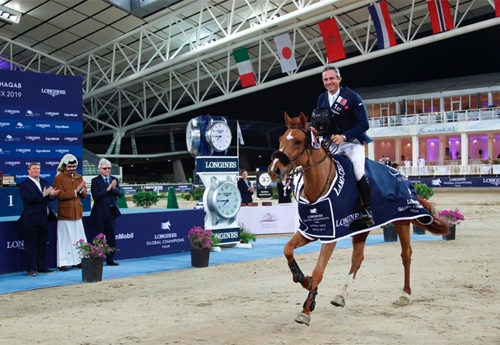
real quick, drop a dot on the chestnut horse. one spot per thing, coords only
(318, 173)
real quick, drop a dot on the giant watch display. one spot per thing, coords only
(223, 200)
(193, 136)
(218, 135)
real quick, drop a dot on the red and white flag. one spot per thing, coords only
(342, 100)
(382, 20)
(333, 42)
(286, 53)
(440, 13)
(497, 8)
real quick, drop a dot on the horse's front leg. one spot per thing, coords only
(357, 257)
(317, 276)
(403, 230)
(298, 277)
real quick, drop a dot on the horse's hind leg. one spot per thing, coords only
(358, 250)
(317, 276)
(403, 230)
(298, 277)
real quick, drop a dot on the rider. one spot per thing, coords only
(347, 127)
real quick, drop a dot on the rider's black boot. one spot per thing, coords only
(366, 216)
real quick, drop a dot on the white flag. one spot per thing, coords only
(285, 52)
(238, 131)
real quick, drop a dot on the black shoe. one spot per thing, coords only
(77, 266)
(45, 270)
(366, 217)
(31, 273)
(63, 268)
(112, 263)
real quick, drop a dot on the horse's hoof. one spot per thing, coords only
(404, 300)
(338, 301)
(303, 319)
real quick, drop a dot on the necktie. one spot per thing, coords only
(107, 181)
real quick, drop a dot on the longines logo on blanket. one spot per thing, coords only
(54, 92)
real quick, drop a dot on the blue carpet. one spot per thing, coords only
(263, 248)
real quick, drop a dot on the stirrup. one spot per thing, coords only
(365, 219)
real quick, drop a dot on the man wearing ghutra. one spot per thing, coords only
(69, 212)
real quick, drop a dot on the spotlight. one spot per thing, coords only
(9, 15)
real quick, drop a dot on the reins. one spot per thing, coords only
(307, 147)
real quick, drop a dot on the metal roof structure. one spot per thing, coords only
(143, 70)
(443, 87)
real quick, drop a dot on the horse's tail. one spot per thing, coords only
(438, 226)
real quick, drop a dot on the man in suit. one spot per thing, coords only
(347, 131)
(284, 190)
(245, 187)
(36, 194)
(105, 190)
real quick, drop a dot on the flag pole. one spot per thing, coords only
(238, 144)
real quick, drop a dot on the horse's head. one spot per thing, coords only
(293, 144)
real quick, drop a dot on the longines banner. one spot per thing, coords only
(140, 234)
(40, 121)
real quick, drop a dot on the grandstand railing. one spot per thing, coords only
(452, 170)
(436, 117)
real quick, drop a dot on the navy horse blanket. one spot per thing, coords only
(333, 217)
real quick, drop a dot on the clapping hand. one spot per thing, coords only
(50, 191)
(112, 185)
(81, 186)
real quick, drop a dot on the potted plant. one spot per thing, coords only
(93, 255)
(143, 198)
(246, 236)
(452, 218)
(215, 245)
(201, 240)
(390, 233)
(425, 192)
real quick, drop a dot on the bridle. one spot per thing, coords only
(307, 148)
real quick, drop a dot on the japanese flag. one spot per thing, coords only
(285, 52)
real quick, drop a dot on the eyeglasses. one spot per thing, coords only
(107, 168)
